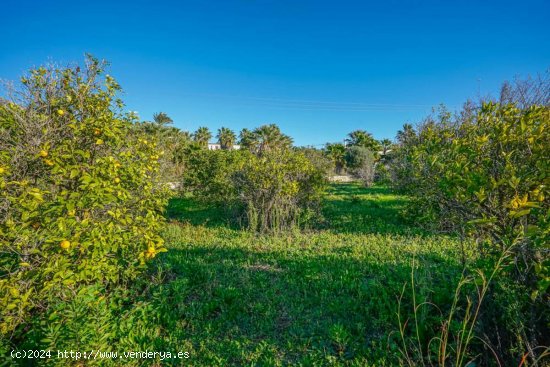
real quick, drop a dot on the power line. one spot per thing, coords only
(305, 104)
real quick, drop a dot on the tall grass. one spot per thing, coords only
(457, 328)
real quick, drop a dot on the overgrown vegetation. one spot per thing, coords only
(319, 297)
(80, 203)
(484, 174)
(266, 263)
(360, 163)
(271, 190)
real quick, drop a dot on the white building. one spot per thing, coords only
(216, 146)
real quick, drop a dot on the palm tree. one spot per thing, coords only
(270, 137)
(361, 138)
(386, 145)
(248, 140)
(162, 119)
(337, 153)
(226, 138)
(202, 136)
(406, 134)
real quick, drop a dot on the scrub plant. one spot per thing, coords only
(272, 191)
(80, 201)
(485, 174)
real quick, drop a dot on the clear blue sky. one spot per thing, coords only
(319, 69)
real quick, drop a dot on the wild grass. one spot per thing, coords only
(327, 296)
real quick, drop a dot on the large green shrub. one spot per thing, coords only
(489, 173)
(274, 190)
(80, 205)
(486, 174)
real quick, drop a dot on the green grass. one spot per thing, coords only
(320, 297)
(351, 208)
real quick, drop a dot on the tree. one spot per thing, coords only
(247, 139)
(81, 200)
(202, 136)
(406, 134)
(360, 162)
(364, 139)
(265, 138)
(270, 137)
(318, 158)
(337, 153)
(484, 175)
(174, 143)
(226, 138)
(162, 119)
(386, 145)
(277, 190)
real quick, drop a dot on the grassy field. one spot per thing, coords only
(326, 296)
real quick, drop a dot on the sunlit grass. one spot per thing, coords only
(317, 297)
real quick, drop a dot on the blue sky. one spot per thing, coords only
(319, 69)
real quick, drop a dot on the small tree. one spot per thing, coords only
(360, 162)
(80, 198)
(272, 191)
(319, 159)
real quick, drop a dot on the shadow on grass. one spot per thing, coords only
(346, 208)
(188, 210)
(238, 306)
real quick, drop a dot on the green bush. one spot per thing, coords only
(382, 173)
(360, 163)
(486, 174)
(489, 174)
(319, 159)
(80, 201)
(172, 142)
(274, 190)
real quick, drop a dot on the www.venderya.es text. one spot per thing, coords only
(96, 354)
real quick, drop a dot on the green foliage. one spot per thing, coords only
(385, 145)
(162, 119)
(264, 138)
(382, 174)
(358, 156)
(485, 174)
(274, 190)
(80, 202)
(247, 139)
(337, 153)
(202, 136)
(319, 159)
(226, 138)
(361, 138)
(489, 175)
(80, 214)
(172, 143)
(315, 298)
(360, 163)
(352, 208)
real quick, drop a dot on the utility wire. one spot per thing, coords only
(304, 104)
